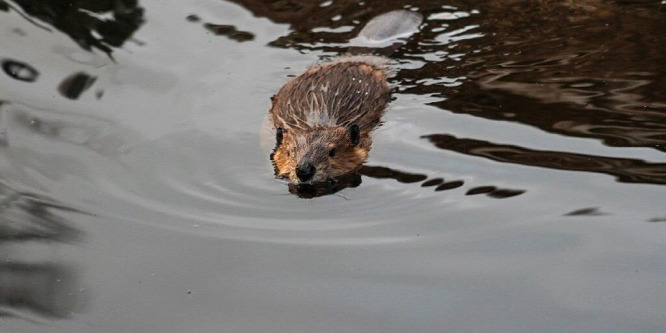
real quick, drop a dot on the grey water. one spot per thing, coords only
(517, 183)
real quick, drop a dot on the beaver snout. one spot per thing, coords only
(305, 172)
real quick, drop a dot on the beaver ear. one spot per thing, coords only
(278, 136)
(354, 134)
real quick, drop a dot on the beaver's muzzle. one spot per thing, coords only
(305, 172)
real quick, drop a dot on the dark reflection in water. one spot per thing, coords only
(45, 288)
(450, 185)
(592, 211)
(229, 31)
(494, 192)
(545, 106)
(505, 193)
(74, 85)
(353, 180)
(432, 182)
(100, 24)
(19, 70)
(303, 16)
(308, 191)
(584, 69)
(625, 169)
(481, 190)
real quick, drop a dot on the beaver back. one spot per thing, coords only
(339, 93)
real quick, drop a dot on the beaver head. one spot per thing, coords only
(320, 154)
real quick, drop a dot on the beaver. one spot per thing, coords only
(324, 117)
(322, 120)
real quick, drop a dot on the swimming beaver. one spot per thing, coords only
(324, 117)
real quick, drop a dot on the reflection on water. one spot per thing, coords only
(332, 186)
(566, 69)
(229, 31)
(450, 185)
(383, 172)
(625, 169)
(592, 211)
(308, 191)
(612, 110)
(47, 289)
(74, 85)
(19, 70)
(89, 23)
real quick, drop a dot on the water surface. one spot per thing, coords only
(516, 185)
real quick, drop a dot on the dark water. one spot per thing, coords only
(517, 184)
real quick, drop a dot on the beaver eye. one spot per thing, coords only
(331, 152)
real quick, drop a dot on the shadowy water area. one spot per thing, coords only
(517, 182)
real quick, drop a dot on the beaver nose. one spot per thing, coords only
(305, 172)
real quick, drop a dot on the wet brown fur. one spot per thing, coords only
(316, 109)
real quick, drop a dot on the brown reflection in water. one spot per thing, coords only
(81, 20)
(305, 15)
(583, 68)
(45, 288)
(333, 186)
(625, 169)
(230, 31)
(545, 106)
(308, 191)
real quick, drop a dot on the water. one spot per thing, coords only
(517, 184)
